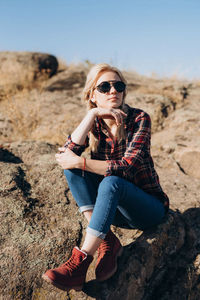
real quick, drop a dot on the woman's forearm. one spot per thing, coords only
(67, 159)
(80, 133)
(96, 166)
(92, 165)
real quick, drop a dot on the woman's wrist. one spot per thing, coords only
(93, 112)
(80, 163)
(84, 166)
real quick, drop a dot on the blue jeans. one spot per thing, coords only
(113, 200)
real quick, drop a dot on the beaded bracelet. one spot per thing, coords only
(84, 164)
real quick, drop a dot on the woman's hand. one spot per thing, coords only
(112, 113)
(67, 159)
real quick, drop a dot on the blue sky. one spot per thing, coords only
(146, 36)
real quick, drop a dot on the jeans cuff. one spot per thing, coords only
(86, 207)
(98, 234)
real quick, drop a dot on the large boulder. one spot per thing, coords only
(24, 69)
(38, 226)
(41, 224)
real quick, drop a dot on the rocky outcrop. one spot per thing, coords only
(36, 218)
(69, 79)
(20, 70)
(154, 264)
(40, 225)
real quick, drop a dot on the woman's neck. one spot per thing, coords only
(111, 127)
(110, 123)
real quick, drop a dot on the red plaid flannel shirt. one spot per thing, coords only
(130, 158)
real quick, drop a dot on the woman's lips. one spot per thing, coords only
(113, 98)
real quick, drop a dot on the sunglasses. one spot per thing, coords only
(105, 86)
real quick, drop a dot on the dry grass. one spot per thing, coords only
(32, 119)
(62, 65)
(23, 113)
(58, 133)
(38, 115)
(17, 79)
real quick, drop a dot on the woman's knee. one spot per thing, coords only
(111, 183)
(112, 179)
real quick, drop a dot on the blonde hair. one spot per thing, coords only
(95, 72)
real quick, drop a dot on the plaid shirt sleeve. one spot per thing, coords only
(138, 146)
(77, 149)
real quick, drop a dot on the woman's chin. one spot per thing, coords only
(114, 105)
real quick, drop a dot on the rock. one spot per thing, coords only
(68, 79)
(36, 218)
(182, 279)
(143, 265)
(36, 233)
(157, 106)
(23, 69)
(189, 161)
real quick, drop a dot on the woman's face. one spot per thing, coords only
(111, 99)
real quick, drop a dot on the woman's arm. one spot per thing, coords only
(96, 166)
(69, 156)
(77, 141)
(67, 159)
(133, 155)
(80, 133)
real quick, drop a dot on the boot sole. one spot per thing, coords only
(109, 275)
(61, 287)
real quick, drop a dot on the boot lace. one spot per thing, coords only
(71, 264)
(104, 248)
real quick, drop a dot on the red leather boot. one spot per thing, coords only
(108, 252)
(71, 274)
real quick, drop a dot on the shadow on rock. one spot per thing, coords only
(7, 156)
(162, 264)
(25, 188)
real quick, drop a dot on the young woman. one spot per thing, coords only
(117, 185)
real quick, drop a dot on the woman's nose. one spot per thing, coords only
(113, 90)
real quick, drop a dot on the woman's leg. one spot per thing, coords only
(140, 209)
(83, 188)
(118, 198)
(72, 274)
(105, 207)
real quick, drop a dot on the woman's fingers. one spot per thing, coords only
(118, 115)
(59, 155)
(117, 118)
(64, 153)
(62, 149)
(123, 113)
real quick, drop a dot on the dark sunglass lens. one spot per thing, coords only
(104, 87)
(119, 86)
